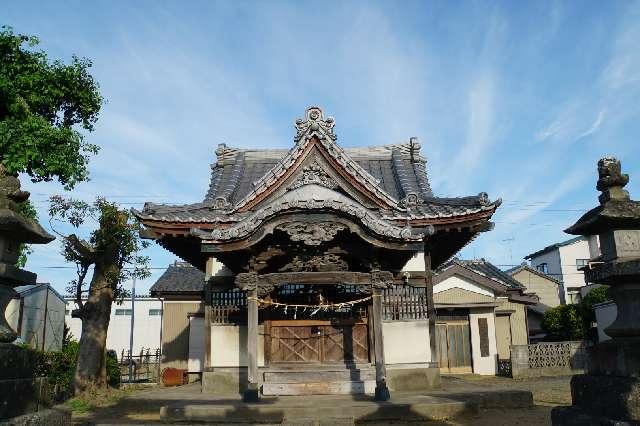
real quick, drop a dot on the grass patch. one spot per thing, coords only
(78, 405)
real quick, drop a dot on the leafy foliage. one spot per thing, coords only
(117, 233)
(573, 322)
(41, 104)
(59, 368)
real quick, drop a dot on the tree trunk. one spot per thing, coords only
(95, 315)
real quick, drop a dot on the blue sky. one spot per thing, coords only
(512, 98)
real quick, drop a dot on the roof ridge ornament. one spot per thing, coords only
(314, 122)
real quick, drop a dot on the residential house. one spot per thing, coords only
(563, 261)
(37, 315)
(548, 290)
(147, 324)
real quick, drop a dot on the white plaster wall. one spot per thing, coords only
(416, 263)
(571, 277)
(483, 365)
(606, 314)
(406, 342)
(229, 346)
(146, 330)
(213, 267)
(552, 259)
(458, 282)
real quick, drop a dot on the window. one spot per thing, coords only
(581, 263)
(543, 267)
(67, 312)
(123, 312)
(483, 330)
(155, 312)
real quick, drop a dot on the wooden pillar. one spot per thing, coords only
(431, 310)
(252, 394)
(382, 392)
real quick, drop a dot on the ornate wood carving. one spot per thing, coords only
(321, 263)
(381, 279)
(312, 234)
(313, 174)
(249, 281)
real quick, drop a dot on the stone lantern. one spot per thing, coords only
(609, 392)
(15, 229)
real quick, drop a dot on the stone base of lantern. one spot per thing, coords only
(610, 393)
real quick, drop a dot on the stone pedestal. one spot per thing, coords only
(20, 390)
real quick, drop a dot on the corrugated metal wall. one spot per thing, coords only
(175, 332)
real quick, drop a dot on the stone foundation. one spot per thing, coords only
(225, 381)
(412, 378)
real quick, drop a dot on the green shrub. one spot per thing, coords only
(113, 370)
(573, 322)
(59, 368)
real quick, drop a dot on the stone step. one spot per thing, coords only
(353, 387)
(319, 376)
(315, 410)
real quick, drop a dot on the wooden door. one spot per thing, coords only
(345, 343)
(307, 341)
(503, 336)
(454, 346)
(295, 344)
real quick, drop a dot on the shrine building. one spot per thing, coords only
(304, 253)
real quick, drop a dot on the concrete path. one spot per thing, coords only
(462, 400)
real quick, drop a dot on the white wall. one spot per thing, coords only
(146, 327)
(406, 342)
(455, 281)
(483, 365)
(229, 345)
(571, 277)
(606, 314)
(562, 265)
(416, 263)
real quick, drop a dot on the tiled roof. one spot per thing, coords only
(487, 269)
(395, 176)
(399, 169)
(179, 277)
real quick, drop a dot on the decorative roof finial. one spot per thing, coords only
(315, 123)
(611, 180)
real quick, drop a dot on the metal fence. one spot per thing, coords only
(146, 366)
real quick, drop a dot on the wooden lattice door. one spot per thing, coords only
(317, 342)
(295, 344)
(345, 343)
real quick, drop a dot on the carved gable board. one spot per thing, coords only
(315, 149)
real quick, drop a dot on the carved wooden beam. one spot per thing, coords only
(267, 282)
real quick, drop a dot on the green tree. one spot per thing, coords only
(113, 252)
(44, 105)
(573, 322)
(564, 322)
